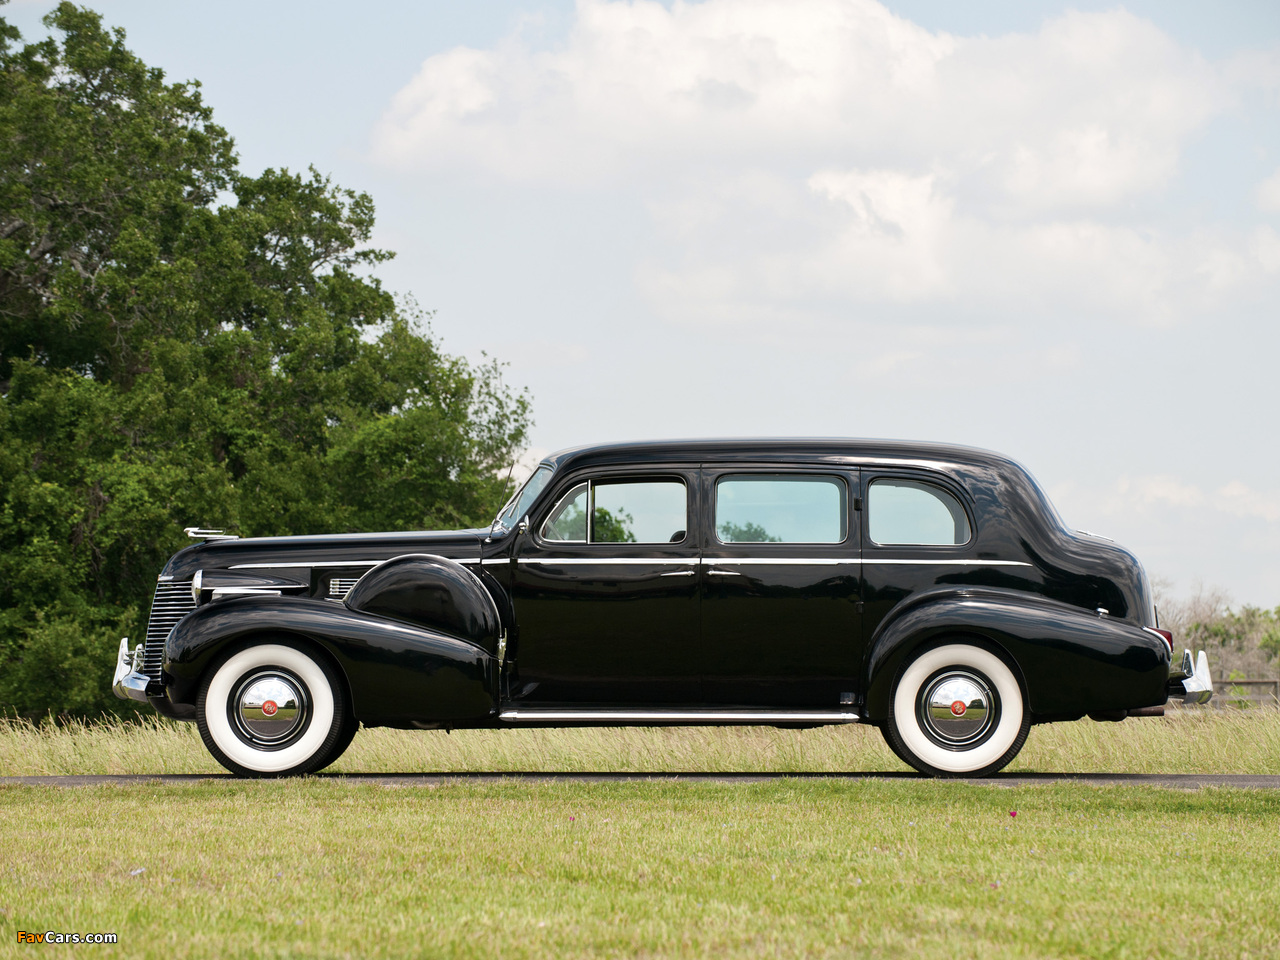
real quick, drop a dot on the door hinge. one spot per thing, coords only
(857, 606)
(857, 503)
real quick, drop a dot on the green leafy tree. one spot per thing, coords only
(609, 527)
(745, 533)
(1250, 629)
(183, 344)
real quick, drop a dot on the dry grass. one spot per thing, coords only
(1187, 741)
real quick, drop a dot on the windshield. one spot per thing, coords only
(520, 503)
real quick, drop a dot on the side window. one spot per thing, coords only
(647, 511)
(780, 508)
(909, 512)
(621, 511)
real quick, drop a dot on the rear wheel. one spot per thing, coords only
(274, 710)
(957, 710)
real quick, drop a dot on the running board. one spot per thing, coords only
(550, 715)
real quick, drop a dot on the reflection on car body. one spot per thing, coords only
(929, 590)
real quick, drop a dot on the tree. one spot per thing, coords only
(180, 344)
(1240, 643)
(731, 532)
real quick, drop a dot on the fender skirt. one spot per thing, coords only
(399, 674)
(1071, 661)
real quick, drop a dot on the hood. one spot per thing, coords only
(294, 557)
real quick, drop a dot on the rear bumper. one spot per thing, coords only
(1194, 684)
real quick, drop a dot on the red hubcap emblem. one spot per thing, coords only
(269, 708)
(957, 707)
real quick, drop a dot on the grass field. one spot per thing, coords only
(1190, 741)
(784, 868)
(812, 868)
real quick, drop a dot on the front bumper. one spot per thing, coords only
(129, 683)
(1194, 684)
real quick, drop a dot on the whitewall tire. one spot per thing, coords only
(273, 710)
(957, 710)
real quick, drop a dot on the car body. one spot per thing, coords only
(930, 590)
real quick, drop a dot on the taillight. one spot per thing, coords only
(1164, 635)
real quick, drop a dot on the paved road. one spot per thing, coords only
(1181, 781)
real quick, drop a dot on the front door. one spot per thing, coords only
(780, 587)
(606, 593)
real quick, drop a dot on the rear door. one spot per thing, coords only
(780, 580)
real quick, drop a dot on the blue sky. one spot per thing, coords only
(1046, 229)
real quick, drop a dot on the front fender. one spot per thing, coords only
(397, 673)
(1072, 662)
(432, 592)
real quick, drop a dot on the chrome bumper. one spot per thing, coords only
(129, 683)
(1194, 684)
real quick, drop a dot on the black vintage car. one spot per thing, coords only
(929, 590)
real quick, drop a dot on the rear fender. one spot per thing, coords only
(397, 673)
(1071, 661)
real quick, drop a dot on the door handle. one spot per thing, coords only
(678, 573)
(723, 573)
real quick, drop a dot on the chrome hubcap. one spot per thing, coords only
(957, 708)
(270, 707)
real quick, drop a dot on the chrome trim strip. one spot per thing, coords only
(568, 561)
(532, 714)
(317, 563)
(785, 561)
(221, 593)
(345, 563)
(957, 563)
(599, 561)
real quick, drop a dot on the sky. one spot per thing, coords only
(1047, 229)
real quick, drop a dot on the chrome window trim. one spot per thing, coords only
(943, 483)
(836, 479)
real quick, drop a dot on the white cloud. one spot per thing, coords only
(800, 159)
(1265, 247)
(1268, 194)
(1159, 491)
(1091, 109)
(1239, 499)
(1162, 492)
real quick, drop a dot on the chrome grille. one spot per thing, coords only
(173, 601)
(339, 586)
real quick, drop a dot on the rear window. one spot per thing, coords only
(912, 512)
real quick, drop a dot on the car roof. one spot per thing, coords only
(781, 450)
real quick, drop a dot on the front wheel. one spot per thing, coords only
(273, 710)
(957, 710)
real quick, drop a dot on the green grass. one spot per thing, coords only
(1190, 741)
(787, 868)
